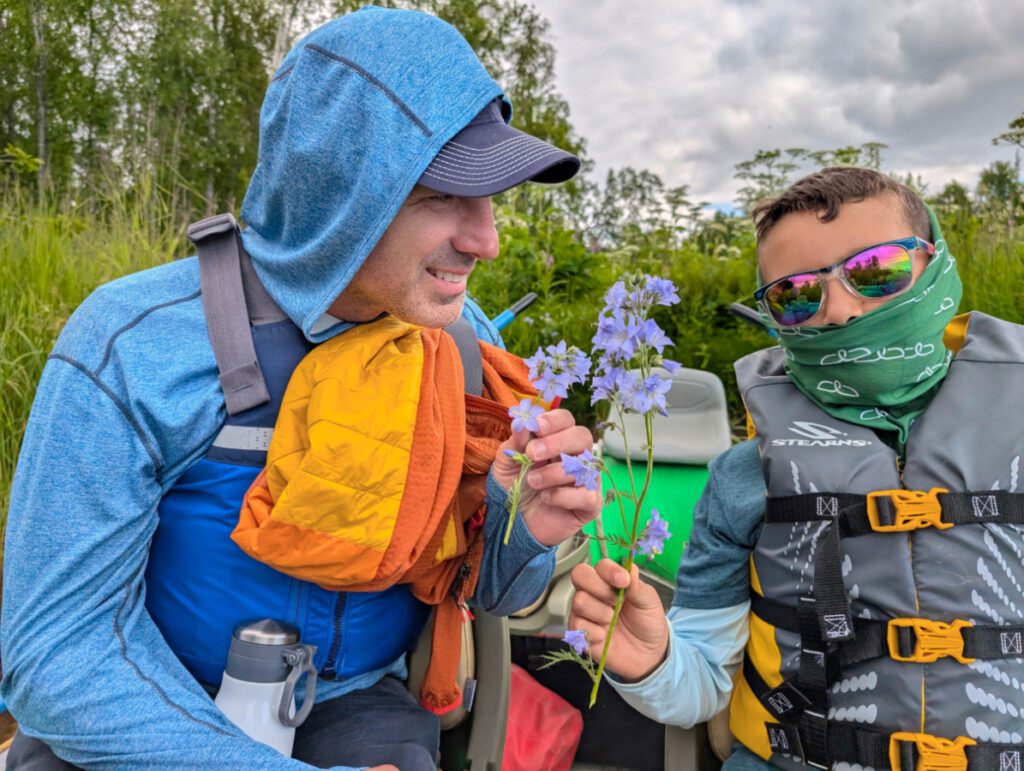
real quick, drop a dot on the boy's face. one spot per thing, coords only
(799, 242)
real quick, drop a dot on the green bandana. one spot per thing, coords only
(881, 369)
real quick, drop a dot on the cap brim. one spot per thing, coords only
(487, 159)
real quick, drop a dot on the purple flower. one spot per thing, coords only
(557, 368)
(577, 639)
(579, 366)
(662, 290)
(653, 335)
(615, 296)
(524, 415)
(650, 395)
(672, 367)
(611, 385)
(584, 467)
(617, 337)
(655, 535)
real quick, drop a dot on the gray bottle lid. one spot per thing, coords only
(266, 631)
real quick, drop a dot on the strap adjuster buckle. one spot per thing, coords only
(931, 640)
(892, 511)
(933, 752)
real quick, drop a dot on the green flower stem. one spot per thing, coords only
(618, 499)
(513, 499)
(621, 596)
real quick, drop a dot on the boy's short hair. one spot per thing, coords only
(825, 191)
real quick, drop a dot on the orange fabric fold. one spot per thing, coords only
(298, 515)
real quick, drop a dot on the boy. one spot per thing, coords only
(880, 614)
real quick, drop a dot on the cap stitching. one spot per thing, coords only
(497, 174)
(455, 148)
(513, 164)
(480, 168)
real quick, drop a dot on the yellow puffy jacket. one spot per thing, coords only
(376, 474)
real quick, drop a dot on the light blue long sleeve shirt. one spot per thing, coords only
(708, 620)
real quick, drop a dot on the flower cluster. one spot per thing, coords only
(553, 371)
(655, 534)
(624, 334)
(556, 369)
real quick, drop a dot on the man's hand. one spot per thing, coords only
(640, 642)
(552, 506)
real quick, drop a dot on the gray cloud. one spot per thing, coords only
(688, 89)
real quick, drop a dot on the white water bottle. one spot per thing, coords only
(257, 693)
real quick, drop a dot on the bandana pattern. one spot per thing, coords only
(881, 369)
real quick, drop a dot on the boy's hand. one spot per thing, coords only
(640, 642)
(552, 506)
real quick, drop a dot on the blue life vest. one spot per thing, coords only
(199, 584)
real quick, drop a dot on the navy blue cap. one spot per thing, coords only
(488, 156)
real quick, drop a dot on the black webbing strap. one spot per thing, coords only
(469, 350)
(851, 743)
(834, 617)
(227, 318)
(871, 636)
(846, 510)
(991, 506)
(850, 512)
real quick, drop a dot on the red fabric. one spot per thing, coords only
(544, 729)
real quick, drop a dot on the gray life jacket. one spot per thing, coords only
(887, 609)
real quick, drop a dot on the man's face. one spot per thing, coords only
(799, 242)
(418, 270)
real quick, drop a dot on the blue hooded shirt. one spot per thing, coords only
(130, 399)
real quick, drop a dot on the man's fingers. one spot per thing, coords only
(580, 499)
(586, 579)
(571, 440)
(590, 608)
(550, 475)
(554, 421)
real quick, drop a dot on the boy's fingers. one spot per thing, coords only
(614, 575)
(641, 594)
(588, 580)
(588, 607)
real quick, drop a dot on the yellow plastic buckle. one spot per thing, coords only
(932, 640)
(913, 509)
(934, 752)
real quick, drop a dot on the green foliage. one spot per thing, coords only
(51, 258)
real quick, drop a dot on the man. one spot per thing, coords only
(880, 630)
(381, 140)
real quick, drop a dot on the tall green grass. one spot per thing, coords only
(51, 257)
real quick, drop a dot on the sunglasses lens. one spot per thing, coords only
(795, 299)
(879, 272)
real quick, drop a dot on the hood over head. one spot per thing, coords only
(352, 118)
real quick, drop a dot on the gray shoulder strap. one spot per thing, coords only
(469, 350)
(227, 316)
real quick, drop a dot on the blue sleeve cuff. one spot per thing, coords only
(512, 575)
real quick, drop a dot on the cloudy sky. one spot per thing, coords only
(688, 88)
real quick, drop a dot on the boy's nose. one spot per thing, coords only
(841, 305)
